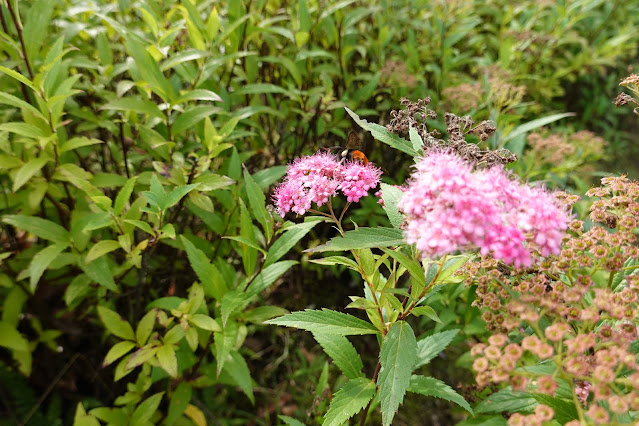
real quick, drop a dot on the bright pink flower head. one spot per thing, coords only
(316, 178)
(357, 179)
(450, 207)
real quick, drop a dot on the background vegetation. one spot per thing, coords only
(139, 142)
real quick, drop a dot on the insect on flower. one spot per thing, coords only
(353, 150)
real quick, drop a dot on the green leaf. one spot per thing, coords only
(257, 201)
(429, 347)
(39, 227)
(336, 260)
(211, 182)
(383, 135)
(205, 322)
(179, 401)
(211, 279)
(115, 324)
(75, 143)
(22, 79)
(142, 355)
(224, 342)
(413, 267)
(142, 225)
(41, 262)
(123, 196)
(35, 31)
(145, 327)
(11, 339)
(325, 322)
(167, 359)
(262, 313)
(290, 421)
(24, 129)
(426, 311)
(198, 95)
(117, 351)
(137, 105)
(187, 120)
(362, 238)
(507, 400)
(391, 195)
(430, 386)
(397, 357)
(564, 409)
(349, 400)
(237, 368)
(81, 418)
(415, 139)
(101, 248)
(142, 415)
(532, 125)
(100, 272)
(177, 194)
(287, 241)
(342, 352)
(149, 70)
(8, 99)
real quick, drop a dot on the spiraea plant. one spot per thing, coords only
(458, 199)
(565, 329)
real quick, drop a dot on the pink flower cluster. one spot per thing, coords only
(449, 207)
(316, 178)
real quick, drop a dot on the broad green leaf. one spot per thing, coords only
(415, 139)
(137, 105)
(362, 238)
(142, 225)
(211, 182)
(79, 142)
(187, 120)
(198, 95)
(287, 241)
(430, 386)
(41, 228)
(142, 415)
(397, 357)
(179, 401)
(177, 194)
(22, 79)
(237, 368)
(41, 262)
(349, 400)
(115, 324)
(8, 99)
(208, 274)
(391, 195)
(27, 171)
(429, 347)
(117, 351)
(141, 356)
(10, 338)
(326, 322)
(342, 352)
(101, 248)
(507, 400)
(167, 359)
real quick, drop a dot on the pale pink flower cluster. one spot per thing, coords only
(316, 178)
(449, 207)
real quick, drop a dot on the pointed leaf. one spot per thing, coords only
(429, 347)
(39, 227)
(101, 248)
(349, 400)
(430, 386)
(325, 321)
(363, 238)
(117, 351)
(342, 352)
(168, 361)
(41, 262)
(115, 324)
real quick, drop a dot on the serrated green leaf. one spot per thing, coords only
(287, 241)
(336, 260)
(429, 347)
(115, 324)
(383, 135)
(117, 351)
(564, 409)
(349, 400)
(397, 357)
(430, 386)
(325, 321)
(177, 194)
(426, 311)
(342, 352)
(224, 342)
(391, 195)
(41, 228)
(362, 238)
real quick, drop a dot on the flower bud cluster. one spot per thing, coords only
(577, 312)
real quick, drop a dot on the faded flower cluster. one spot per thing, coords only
(570, 322)
(316, 178)
(450, 207)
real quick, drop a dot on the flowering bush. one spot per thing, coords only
(565, 327)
